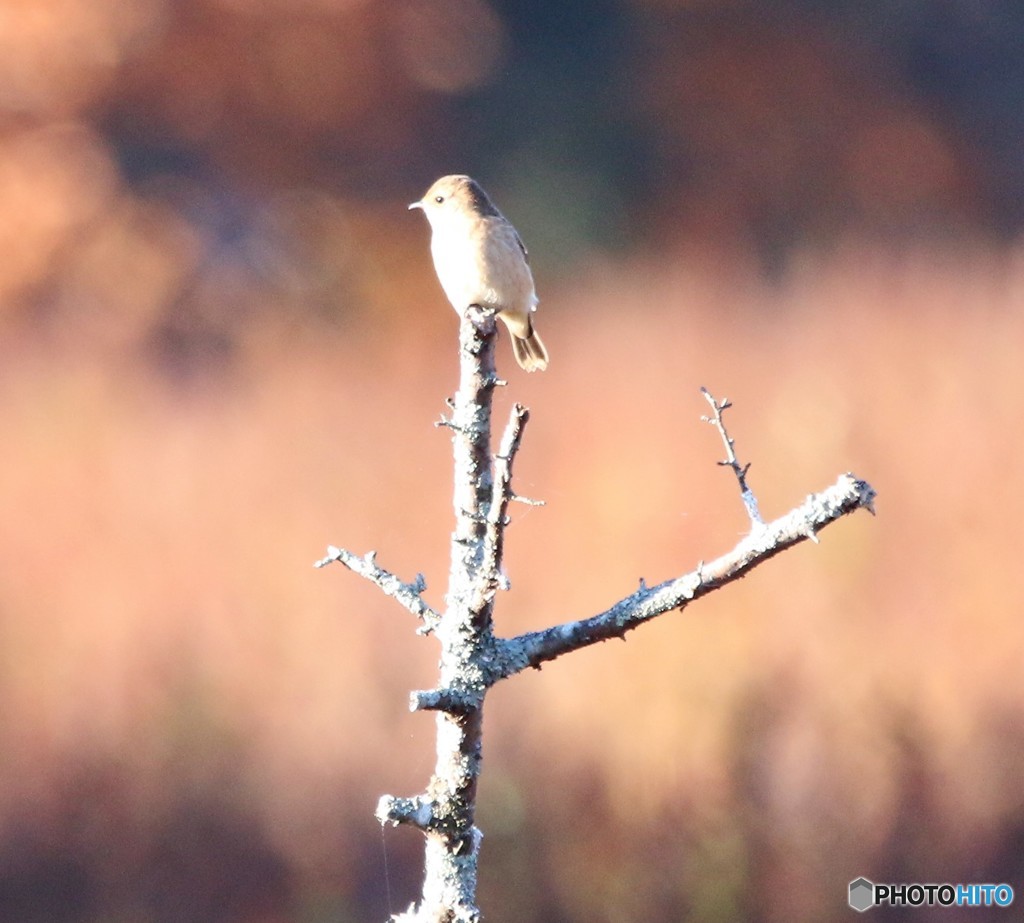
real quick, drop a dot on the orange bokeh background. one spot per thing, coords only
(222, 348)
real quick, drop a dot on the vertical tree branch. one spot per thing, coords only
(502, 493)
(446, 812)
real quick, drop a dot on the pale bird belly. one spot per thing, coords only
(489, 271)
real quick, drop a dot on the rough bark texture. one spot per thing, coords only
(446, 812)
(472, 659)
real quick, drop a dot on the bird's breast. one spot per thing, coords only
(482, 263)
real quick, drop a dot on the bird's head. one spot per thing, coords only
(455, 198)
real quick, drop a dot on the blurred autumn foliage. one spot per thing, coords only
(222, 347)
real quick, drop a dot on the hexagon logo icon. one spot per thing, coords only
(862, 894)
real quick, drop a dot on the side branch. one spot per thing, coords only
(417, 812)
(817, 511)
(502, 494)
(408, 594)
(731, 461)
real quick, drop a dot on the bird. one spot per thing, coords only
(480, 260)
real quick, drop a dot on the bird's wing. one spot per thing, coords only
(522, 246)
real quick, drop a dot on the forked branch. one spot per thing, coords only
(473, 659)
(766, 541)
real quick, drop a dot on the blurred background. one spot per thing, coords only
(222, 347)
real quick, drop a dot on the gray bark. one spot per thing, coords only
(473, 659)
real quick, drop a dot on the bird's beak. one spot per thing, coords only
(413, 205)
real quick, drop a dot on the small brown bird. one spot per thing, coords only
(480, 260)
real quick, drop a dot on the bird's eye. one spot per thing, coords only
(439, 199)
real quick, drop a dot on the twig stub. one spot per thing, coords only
(731, 461)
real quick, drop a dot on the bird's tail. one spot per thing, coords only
(531, 354)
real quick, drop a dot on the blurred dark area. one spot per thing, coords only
(222, 347)
(220, 136)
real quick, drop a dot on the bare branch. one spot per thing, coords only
(749, 500)
(501, 493)
(417, 812)
(473, 659)
(526, 501)
(453, 701)
(445, 812)
(817, 511)
(408, 594)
